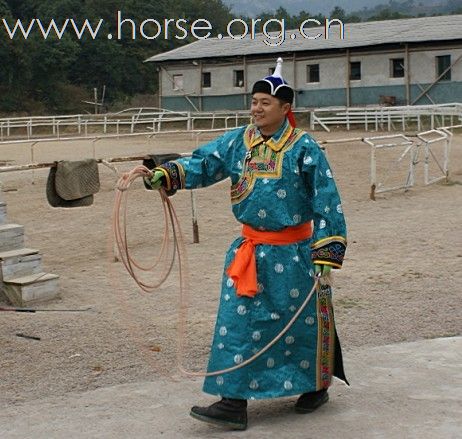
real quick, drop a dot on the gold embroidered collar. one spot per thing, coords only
(253, 137)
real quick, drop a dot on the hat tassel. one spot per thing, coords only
(291, 118)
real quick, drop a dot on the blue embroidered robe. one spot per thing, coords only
(275, 183)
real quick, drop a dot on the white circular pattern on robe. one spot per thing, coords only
(296, 258)
(227, 297)
(307, 160)
(305, 364)
(223, 331)
(322, 224)
(219, 176)
(235, 250)
(320, 173)
(275, 316)
(294, 293)
(229, 283)
(217, 154)
(287, 353)
(309, 320)
(292, 308)
(296, 171)
(297, 218)
(329, 173)
(257, 303)
(327, 209)
(290, 339)
(270, 362)
(253, 385)
(311, 273)
(231, 142)
(220, 346)
(315, 192)
(262, 213)
(279, 268)
(288, 385)
(239, 165)
(339, 208)
(262, 254)
(256, 336)
(238, 359)
(260, 288)
(241, 310)
(220, 380)
(296, 185)
(281, 193)
(265, 181)
(254, 350)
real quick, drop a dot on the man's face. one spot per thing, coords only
(268, 112)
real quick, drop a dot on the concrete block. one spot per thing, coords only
(2, 212)
(30, 289)
(11, 237)
(17, 263)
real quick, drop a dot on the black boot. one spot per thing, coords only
(309, 402)
(227, 412)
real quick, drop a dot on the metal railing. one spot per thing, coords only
(155, 120)
(126, 122)
(381, 118)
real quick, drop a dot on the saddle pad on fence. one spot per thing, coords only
(78, 179)
(56, 201)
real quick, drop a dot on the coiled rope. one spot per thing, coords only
(168, 253)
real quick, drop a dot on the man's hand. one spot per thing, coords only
(156, 180)
(322, 270)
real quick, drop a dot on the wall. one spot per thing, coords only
(329, 91)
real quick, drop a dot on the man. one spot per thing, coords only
(283, 192)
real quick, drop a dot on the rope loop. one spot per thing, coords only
(171, 250)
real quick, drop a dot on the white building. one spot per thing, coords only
(408, 61)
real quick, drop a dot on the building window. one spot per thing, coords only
(443, 63)
(206, 79)
(177, 82)
(355, 70)
(312, 73)
(238, 78)
(397, 67)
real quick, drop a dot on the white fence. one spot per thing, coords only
(435, 145)
(154, 120)
(417, 117)
(126, 122)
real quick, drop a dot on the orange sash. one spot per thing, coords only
(243, 269)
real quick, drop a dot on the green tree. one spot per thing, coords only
(339, 13)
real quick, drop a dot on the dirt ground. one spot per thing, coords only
(401, 280)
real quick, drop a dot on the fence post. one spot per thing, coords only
(194, 218)
(373, 174)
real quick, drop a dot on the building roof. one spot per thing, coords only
(372, 33)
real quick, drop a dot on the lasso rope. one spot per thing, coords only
(166, 257)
